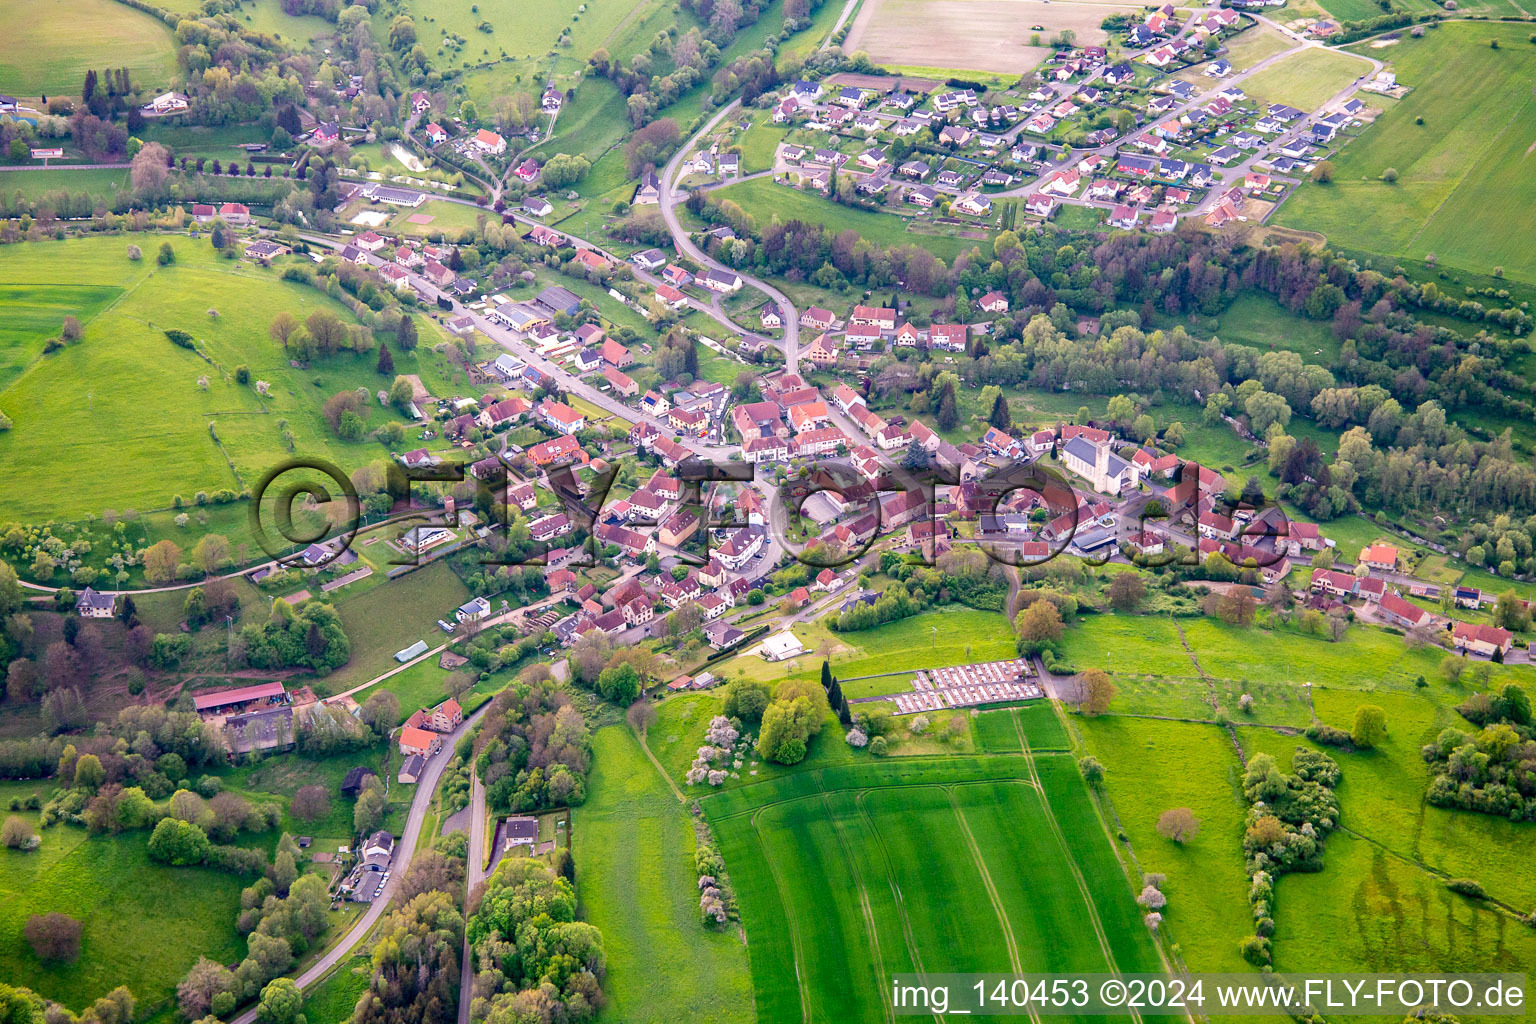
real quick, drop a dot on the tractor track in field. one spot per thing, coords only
(789, 916)
(890, 878)
(864, 905)
(1014, 959)
(1077, 874)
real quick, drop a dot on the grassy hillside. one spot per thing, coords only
(48, 45)
(1464, 190)
(764, 199)
(119, 419)
(634, 847)
(134, 935)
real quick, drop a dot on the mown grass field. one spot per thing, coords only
(391, 617)
(1350, 10)
(49, 44)
(764, 199)
(33, 184)
(1151, 767)
(634, 845)
(1252, 46)
(847, 876)
(119, 420)
(1464, 190)
(1305, 79)
(145, 923)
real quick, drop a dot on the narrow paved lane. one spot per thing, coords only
(473, 874)
(405, 849)
(669, 198)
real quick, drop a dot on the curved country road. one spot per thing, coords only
(787, 312)
(405, 849)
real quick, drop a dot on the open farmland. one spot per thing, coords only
(1306, 79)
(1464, 190)
(973, 35)
(634, 847)
(121, 416)
(134, 935)
(955, 864)
(48, 45)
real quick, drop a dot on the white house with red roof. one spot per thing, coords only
(561, 417)
(489, 142)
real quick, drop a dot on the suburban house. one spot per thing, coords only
(367, 879)
(473, 610)
(414, 740)
(561, 417)
(419, 539)
(1379, 556)
(817, 319)
(1399, 612)
(1477, 638)
(95, 605)
(490, 142)
(670, 297)
(724, 281)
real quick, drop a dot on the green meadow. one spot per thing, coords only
(1305, 79)
(145, 923)
(764, 199)
(1464, 189)
(1151, 767)
(634, 845)
(121, 419)
(48, 45)
(849, 875)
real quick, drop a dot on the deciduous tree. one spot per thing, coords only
(1178, 824)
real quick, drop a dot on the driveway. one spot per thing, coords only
(405, 851)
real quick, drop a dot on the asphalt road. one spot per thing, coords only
(472, 877)
(669, 199)
(405, 850)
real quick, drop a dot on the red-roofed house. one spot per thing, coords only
(670, 297)
(490, 142)
(1401, 613)
(622, 382)
(419, 741)
(1379, 556)
(615, 354)
(1477, 638)
(561, 417)
(994, 302)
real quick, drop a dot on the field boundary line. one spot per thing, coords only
(1469, 165)
(864, 906)
(1077, 874)
(789, 917)
(1429, 870)
(665, 777)
(890, 879)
